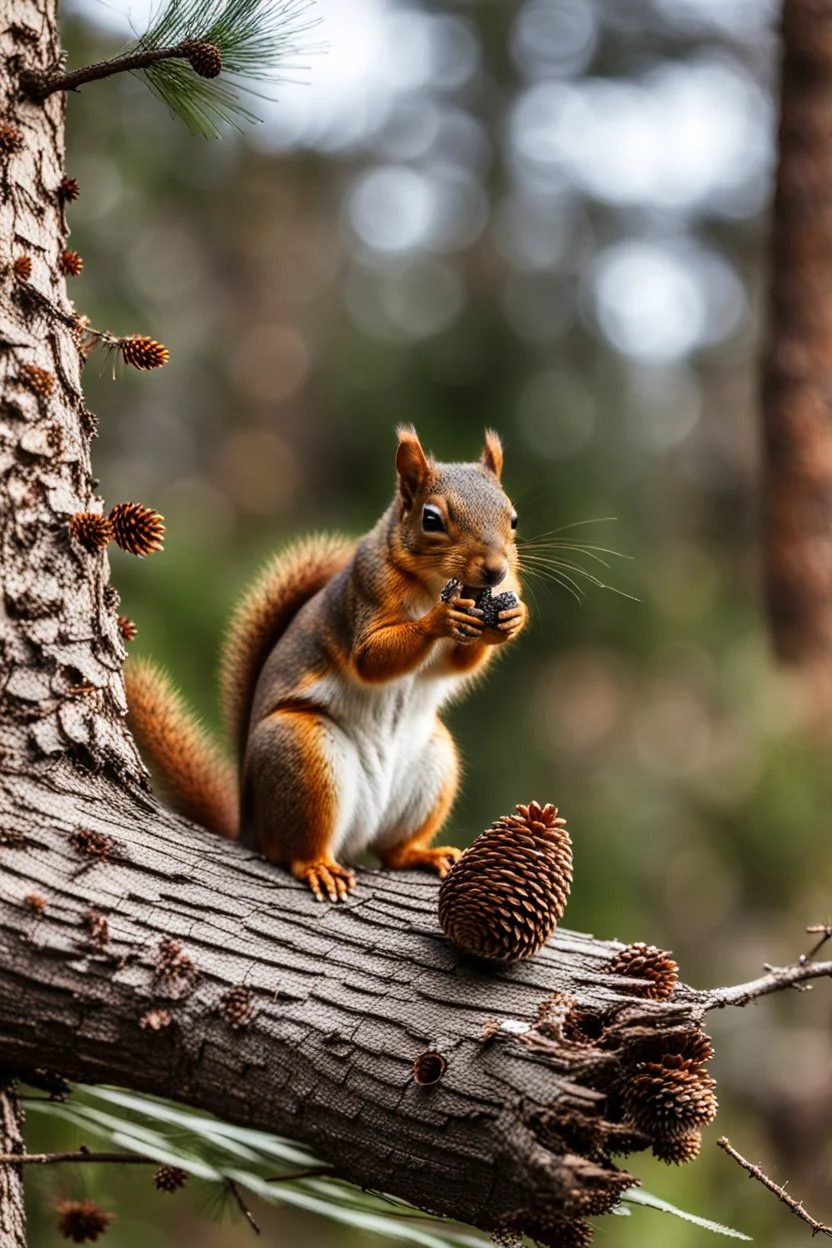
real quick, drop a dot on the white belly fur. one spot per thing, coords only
(389, 769)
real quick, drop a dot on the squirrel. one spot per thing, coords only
(334, 669)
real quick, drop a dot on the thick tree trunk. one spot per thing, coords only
(797, 401)
(12, 1211)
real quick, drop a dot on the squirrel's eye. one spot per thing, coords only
(432, 521)
(514, 519)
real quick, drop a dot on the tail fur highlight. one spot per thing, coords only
(288, 580)
(193, 774)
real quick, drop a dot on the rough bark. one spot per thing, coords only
(797, 397)
(12, 1210)
(345, 998)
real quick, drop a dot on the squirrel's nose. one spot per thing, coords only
(494, 571)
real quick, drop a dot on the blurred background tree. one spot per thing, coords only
(550, 217)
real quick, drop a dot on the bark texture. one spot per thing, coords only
(12, 1210)
(60, 651)
(519, 1129)
(797, 406)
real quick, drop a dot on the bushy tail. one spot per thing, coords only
(195, 777)
(287, 581)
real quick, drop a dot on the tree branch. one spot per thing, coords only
(39, 84)
(775, 979)
(796, 1206)
(82, 1154)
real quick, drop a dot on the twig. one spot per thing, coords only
(825, 930)
(776, 977)
(38, 85)
(242, 1206)
(83, 1154)
(754, 1172)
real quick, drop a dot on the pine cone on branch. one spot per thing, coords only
(143, 353)
(205, 58)
(655, 966)
(137, 529)
(71, 263)
(91, 530)
(508, 891)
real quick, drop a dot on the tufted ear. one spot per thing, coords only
(411, 465)
(492, 456)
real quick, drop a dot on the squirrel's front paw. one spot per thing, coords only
(325, 875)
(457, 617)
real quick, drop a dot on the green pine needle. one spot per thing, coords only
(256, 40)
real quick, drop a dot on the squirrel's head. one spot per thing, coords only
(455, 520)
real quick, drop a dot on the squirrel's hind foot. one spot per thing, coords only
(439, 859)
(325, 876)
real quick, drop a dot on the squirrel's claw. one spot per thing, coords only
(325, 877)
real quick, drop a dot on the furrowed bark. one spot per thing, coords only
(12, 1210)
(344, 999)
(797, 392)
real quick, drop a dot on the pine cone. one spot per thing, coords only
(71, 263)
(170, 1178)
(205, 57)
(82, 1221)
(507, 893)
(22, 268)
(143, 353)
(90, 530)
(669, 1098)
(655, 966)
(69, 190)
(137, 529)
(492, 604)
(679, 1149)
(37, 379)
(127, 628)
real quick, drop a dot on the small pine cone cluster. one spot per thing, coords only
(69, 190)
(127, 628)
(506, 894)
(670, 1097)
(71, 263)
(237, 1006)
(678, 1149)
(205, 58)
(97, 928)
(11, 139)
(22, 268)
(35, 903)
(654, 966)
(143, 353)
(137, 529)
(90, 530)
(155, 1020)
(173, 964)
(170, 1178)
(38, 380)
(82, 1221)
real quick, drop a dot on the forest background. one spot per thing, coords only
(552, 218)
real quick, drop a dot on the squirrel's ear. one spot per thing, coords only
(492, 456)
(411, 464)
